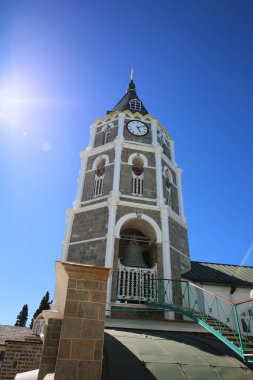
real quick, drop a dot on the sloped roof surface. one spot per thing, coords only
(220, 274)
(123, 104)
(14, 333)
(165, 355)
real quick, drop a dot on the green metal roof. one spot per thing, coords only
(123, 104)
(163, 355)
(236, 275)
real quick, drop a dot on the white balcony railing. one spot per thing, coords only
(136, 284)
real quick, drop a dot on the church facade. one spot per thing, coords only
(128, 214)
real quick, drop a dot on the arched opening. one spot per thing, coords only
(137, 262)
(99, 178)
(137, 176)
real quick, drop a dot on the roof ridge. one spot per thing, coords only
(232, 265)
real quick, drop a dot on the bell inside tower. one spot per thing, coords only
(137, 263)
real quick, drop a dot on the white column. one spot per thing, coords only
(109, 254)
(69, 222)
(121, 122)
(167, 275)
(92, 135)
(172, 151)
(80, 181)
(154, 131)
(159, 178)
(117, 162)
(180, 193)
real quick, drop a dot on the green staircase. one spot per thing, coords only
(231, 322)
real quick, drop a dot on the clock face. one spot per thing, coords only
(137, 128)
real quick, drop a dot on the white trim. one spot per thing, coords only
(145, 217)
(69, 223)
(94, 200)
(133, 155)
(106, 126)
(137, 198)
(92, 170)
(169, 163)
(165, 168)
(180, 193)
(126, 163)
(138, 205)
(134, 145)
(181, 253)
(178, 218)
(86, 241)
(102, 157)
(91, 207)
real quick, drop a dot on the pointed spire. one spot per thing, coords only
(131, 95)
(131, 86)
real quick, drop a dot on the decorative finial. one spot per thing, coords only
(132, 74)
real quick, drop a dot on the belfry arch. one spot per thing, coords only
(137, 258)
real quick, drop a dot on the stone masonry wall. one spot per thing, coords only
(122, 210)
(127, 152)
(89, 183)
(100, 137)
(138, 139)
(89, 224)
(149, 182)
(20, 356)
(91, 159)
(178, 237)
(50, 347)
(92, 253)
(81, 339)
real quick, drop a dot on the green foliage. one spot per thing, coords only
(22, 317)
(44, 305)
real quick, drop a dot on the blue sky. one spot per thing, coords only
(64, 63)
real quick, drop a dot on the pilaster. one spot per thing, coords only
(69, 223)
(154, 131)
(118, 142)
(121, 122)
(92, 135)
(77, 202)
(180, 193)
(159, 180)
(109, 254)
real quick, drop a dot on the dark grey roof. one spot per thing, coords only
(220, 274)
(123, 104)
(161, 355)
(14, 333)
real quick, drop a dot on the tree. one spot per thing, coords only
(44, 305)
(22, 317)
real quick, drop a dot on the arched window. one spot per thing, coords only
(137, 176)
(135, 105)
(99, 178)
(108, 135)
(168, 182)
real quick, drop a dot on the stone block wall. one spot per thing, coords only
(50, 347)
(81, 339)
(89, 183)
(100, 137)
(89, 224)
(91, 253)
(20, 356)
(178, 237)
(110, 153)
(138, 139)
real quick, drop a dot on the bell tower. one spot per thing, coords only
(128, 214)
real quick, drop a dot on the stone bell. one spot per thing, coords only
(133, 255)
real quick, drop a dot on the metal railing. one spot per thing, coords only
(231, 322)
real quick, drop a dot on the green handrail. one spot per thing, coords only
(229, 321)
